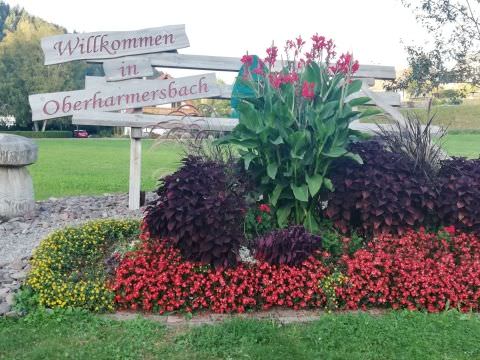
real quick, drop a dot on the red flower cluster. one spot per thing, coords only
(449, 229)
(271, 55)
(308, 90)
(345, 64)
(416, 271)
(277, 79)
(247, 59)
(155, 278)
(319, 44)
(264, 208)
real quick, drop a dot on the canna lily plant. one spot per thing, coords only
(294, 123)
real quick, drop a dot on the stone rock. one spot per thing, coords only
(19, 239)
(4, 308)
(5, 277)
(16, 191)
(17, 150)
(4, 292)
(21, 275)
(16, 265)
(10, 299)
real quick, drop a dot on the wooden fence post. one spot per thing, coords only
(135, 168)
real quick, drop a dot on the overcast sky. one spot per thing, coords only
(372, 29)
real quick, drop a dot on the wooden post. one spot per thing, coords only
(135, 168)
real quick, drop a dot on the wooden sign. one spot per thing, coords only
(151, 121)
(96, 81)
(127, 68)
(120, 96)
(105, 45)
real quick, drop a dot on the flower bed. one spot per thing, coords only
(69, 267)
(157, 278)
(420, 270)
(417, 271)
(323, 218)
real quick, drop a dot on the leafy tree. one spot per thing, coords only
(21, 66)
(455, 55)
(4, 11)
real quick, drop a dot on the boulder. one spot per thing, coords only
(16, 187)
(17, 150)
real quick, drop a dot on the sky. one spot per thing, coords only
(376, 31)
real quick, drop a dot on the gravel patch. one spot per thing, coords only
(19, 236)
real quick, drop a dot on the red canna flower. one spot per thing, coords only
(308, 90)
(247, 59)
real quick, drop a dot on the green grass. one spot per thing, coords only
(95, 166)
(396, 335)
(458, 118)
(467, 145)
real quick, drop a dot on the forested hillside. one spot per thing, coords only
(21, 65)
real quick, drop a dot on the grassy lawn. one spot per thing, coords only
(96, 166)
(457, 117)
(467, 145)
(464, 117)
(397, 335)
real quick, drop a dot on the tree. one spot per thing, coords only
(455, 54)
(21, 66)
(4, 11)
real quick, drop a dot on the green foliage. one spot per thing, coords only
(258, 222)
(69, 266)
(41, 134)
(288, 142)
(4, 11)
(21, 66)
(450, 97)
(338, 244)
(26, 301)
(453, 25)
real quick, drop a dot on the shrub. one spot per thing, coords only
(200, 210)
(294, 123)
(459, 194)
(290, 246)
(68, 267)
(41, 134)
(157, 278)
(416, 140)
(416, 271)
(384, 195)
(336, 243)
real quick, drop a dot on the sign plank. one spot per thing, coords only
(200, 123)
(233, 64)
(127, 68)
(117, 96)
(112, 44)
(389, 97)
(160, 121)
